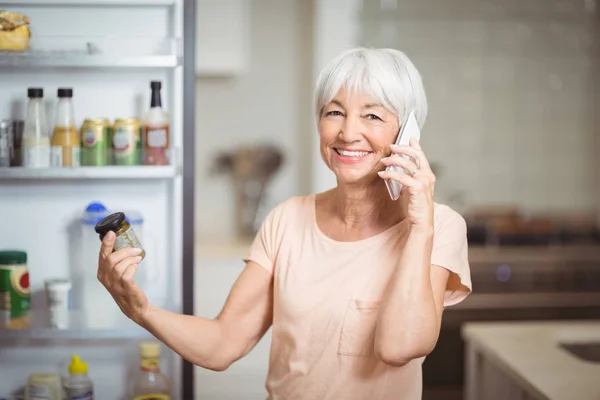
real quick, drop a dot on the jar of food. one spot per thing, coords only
(126, 236)
(14, 290)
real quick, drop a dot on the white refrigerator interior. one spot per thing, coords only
(108, 52)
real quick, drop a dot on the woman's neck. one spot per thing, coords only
(365, 206)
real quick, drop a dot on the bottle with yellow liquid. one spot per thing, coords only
(66, 148)
(150, 384)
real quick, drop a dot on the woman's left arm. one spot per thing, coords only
(410, 316)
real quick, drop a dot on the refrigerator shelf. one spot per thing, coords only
(75, 3)
(122, 329)
(107, 172)
(95, 52)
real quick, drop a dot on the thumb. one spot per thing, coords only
(108, 244)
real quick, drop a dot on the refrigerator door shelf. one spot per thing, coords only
(108, 3)
(123, 329)
(107, 172)
(93, 52)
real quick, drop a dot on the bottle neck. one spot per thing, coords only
(155, 101)
(64, 113)
(149, 364)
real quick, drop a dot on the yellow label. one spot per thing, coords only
(156, 396)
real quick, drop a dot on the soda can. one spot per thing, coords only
(127, 141)
(95, 142)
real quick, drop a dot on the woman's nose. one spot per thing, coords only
(350, 132)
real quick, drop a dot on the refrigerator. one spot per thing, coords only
(108, 52)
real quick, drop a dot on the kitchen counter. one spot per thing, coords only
(528, 355)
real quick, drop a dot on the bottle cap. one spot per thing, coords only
(77, 366)
(149, 349)
(35, 93)
(65, 92)
(155, 85)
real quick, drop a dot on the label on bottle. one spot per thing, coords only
(36, 156)
(157, 137)
(153, 396)
(127, 239)
(56, 156)
(40, 392)
(78, 394)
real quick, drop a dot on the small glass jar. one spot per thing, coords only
(126, 236)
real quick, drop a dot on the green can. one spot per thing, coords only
(95, 142)
(15, 298)
(127, 141)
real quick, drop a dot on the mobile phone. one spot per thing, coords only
(409, 128)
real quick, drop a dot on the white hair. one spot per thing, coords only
(387, 75)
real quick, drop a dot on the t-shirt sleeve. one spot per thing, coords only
(263, 249)
(450, 251)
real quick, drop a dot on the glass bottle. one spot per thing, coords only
(35, 144)
(65, 140)
(150, 383)
(156, 130)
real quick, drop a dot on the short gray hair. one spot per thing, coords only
(387, 75)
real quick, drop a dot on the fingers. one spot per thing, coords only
(119, 270)
(404, 179)
(108, 244)
(129, 274)
(414, 152)
(408, 165)
(120, 255)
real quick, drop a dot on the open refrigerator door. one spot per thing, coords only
(95, 67)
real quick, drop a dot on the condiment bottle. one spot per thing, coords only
(156, 130)
(35, 144)
(78, 386)
(126, 236)
(65, 140)
(150, 382)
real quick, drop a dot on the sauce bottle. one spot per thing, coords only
(65, 140)
(156, 130)
(35, 144)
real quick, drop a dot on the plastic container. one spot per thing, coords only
(78, 386)
(35, 144)
(44, 385)
(58, 301)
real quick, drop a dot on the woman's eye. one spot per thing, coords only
(333, 113)
(373, 117)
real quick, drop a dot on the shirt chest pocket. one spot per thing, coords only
(357, 338)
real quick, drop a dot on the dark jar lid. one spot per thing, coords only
(110, 223)
(8, 257)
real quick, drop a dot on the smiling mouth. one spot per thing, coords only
(351, 153)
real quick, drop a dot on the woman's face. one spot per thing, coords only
(355, 133)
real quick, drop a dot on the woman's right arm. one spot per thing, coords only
(209, 343)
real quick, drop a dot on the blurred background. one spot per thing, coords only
(513, 133)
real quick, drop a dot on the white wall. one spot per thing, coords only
(510, 86)
(268, 103)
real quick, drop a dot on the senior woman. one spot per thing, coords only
(352, 283)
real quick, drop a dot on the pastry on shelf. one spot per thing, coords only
(14, 31)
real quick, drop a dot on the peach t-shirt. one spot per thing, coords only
(325, 301)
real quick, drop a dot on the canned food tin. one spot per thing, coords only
(14, 288)
(127, 141)
(95, 141)
(6, 142)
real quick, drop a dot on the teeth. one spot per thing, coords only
(352, 153)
